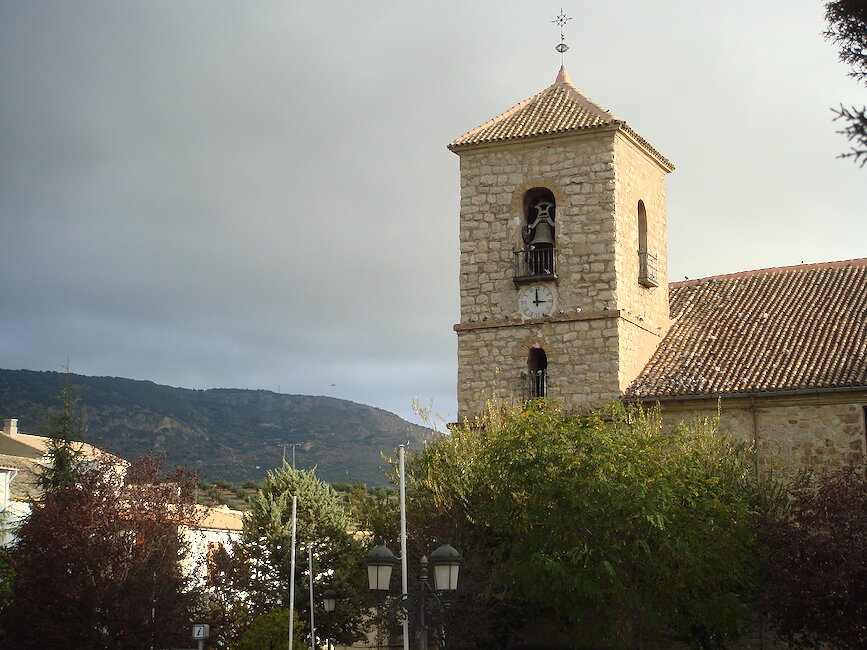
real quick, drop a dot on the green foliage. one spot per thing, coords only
(847, 27)
(65, 427)
(322, 523)
(644, 532)
(372, 513)
(271, 632)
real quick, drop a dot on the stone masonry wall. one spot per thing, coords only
(639, 177)
(582, 356)
(794, 432)
(637, 341)
(582, 361)
(597, 179)
(579, 171)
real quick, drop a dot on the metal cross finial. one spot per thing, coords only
(561, 21)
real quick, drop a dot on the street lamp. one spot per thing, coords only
(380, 563)
(329, 602)
(446, 562)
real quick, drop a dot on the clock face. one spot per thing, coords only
(537, 301)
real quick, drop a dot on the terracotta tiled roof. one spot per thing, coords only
(782, 329)
(219, 518)
(560, 108)
(88, 451)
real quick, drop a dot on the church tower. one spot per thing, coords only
(563, 272)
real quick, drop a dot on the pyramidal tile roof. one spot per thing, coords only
(560, 108)
(772, 330)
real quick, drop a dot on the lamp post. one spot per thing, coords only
(380, 564)
(446, 562)
(329, 603)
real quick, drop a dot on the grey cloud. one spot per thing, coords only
(226, 194)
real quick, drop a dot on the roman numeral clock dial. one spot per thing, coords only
(537, 301)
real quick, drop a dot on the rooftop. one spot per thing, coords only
(39, 444)
(782, 329)
(560, 108)
(219, 518)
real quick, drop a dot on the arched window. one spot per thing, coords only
(646, 260)
(536, 377)
(537, 257)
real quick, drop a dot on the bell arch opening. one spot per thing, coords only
(537, 258)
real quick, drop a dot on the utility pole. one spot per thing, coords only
(286, 444)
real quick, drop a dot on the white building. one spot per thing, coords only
(22, 455)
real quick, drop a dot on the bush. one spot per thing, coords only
(647, 533)
(817, 557)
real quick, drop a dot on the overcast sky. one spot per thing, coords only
(259, 195)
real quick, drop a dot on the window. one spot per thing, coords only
(535, 380)
(646, 261)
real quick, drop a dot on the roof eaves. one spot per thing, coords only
(858, 261)
(674, 397)
(653, 151)
(544, 134)
(466, 137)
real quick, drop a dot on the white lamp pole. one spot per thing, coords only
(310, 573)
(403, 553)
(292, 576)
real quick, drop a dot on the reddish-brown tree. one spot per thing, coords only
(97, 563)
(817, 556)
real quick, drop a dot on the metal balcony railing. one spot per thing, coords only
(647, 269)
(535, 264)
(534, 383)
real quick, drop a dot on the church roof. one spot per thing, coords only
(560, 108)
(773, 330)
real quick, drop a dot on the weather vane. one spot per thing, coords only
(561, 21)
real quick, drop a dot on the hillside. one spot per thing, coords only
(229, 434)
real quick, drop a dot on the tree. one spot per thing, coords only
(97, 561)
(442, 495)
(64, 429)
(847, 27)
(271, 632)
(262, 561)
(606, 529)
(817, 556)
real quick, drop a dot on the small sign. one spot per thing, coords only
(201, 631)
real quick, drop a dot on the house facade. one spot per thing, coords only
(23, 455)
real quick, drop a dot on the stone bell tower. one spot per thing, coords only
(563, 274)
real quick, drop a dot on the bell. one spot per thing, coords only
(543, 232)
(543, 235)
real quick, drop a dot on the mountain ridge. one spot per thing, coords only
(233, 434)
